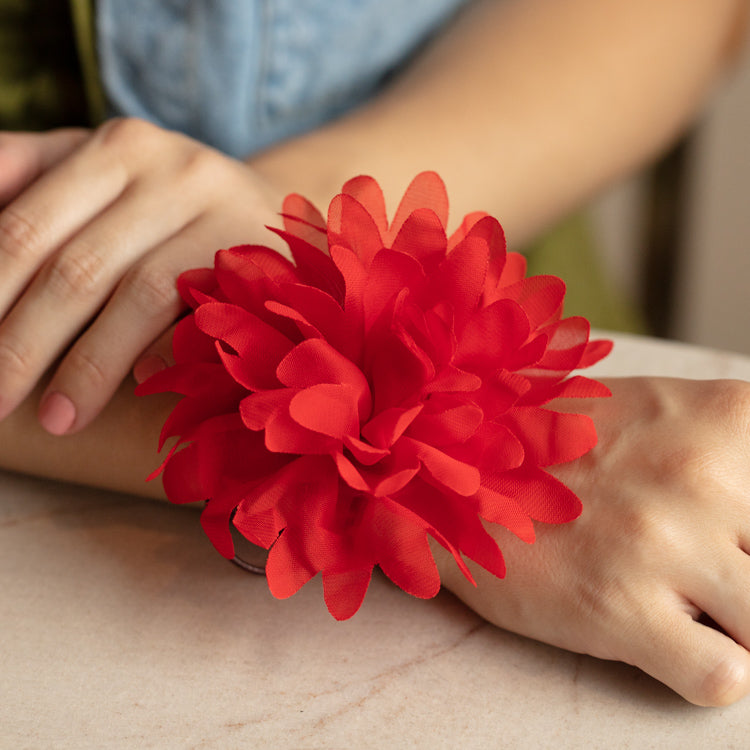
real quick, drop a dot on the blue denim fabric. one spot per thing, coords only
(243, 74)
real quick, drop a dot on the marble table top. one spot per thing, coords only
(121, 627)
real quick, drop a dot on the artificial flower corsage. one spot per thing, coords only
(389, 385)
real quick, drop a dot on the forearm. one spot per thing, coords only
(527, 107)
(117, 451)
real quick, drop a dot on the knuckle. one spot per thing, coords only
(200, 165)
(151, 287)
(684, 465)
(738, 396)
(19, 233)
(728, 399)
(15, 358)
(75, 273)
(126, 134)
(87, 368)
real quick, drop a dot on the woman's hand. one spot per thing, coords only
(94, 230)
(660, 551)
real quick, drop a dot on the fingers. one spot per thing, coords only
(69, 289)
(25, 156)
(35, 225)
(703, 665)
(722, 590)
(144, 305)
(90, 251)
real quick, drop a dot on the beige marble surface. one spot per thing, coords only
(121, 627)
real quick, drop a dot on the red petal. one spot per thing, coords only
(261, 529)
(447, 426)
(491, 336)
(249, 275)
(314, 266)
(595, 350)
(385, 477)
(499, 392)
(191, 345)
(191, 413)
(351, 226)
(540, 296)
(497, 508)
(397, 368)
(315, 361)
(253, 263)
(529, 354)
(426, 190)
(491, 233)
(493, 448)
(258, 409)
(568, 341)
(351, 474)
(465, 227)
(355, 276)
(328, 409)
(363, 452)
(233, 459)
(344, 592)
(550, 437)
(314, 310)
(302, 219)
(301, 491)
(301, 209)
(513, 270)
(196, 279)
(181, 479)
(285, 435)
(403, 550)
(390, 273)
(365, 190)
(422, 236)
(384, 429)
(575, 387)
(188, 379)
(456, 520)
(286, 572)
(259, 346)
(462, 276)
(451, 380)
(450, 473)
(542, 496)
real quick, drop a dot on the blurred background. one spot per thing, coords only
(704, 264)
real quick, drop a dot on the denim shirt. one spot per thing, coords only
(243, 74)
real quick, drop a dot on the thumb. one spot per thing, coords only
(155, 358)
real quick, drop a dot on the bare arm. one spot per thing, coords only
(527, 107)
(117, 451)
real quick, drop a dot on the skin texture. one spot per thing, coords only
(530, 107)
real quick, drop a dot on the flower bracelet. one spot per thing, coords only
(390, 385)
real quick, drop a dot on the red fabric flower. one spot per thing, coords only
(388, 386)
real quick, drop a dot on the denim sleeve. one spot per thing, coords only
(241, 75)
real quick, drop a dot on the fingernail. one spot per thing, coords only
(147, 366)
(57, 413)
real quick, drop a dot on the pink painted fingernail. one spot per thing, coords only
(57, 413)
(147, 366)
